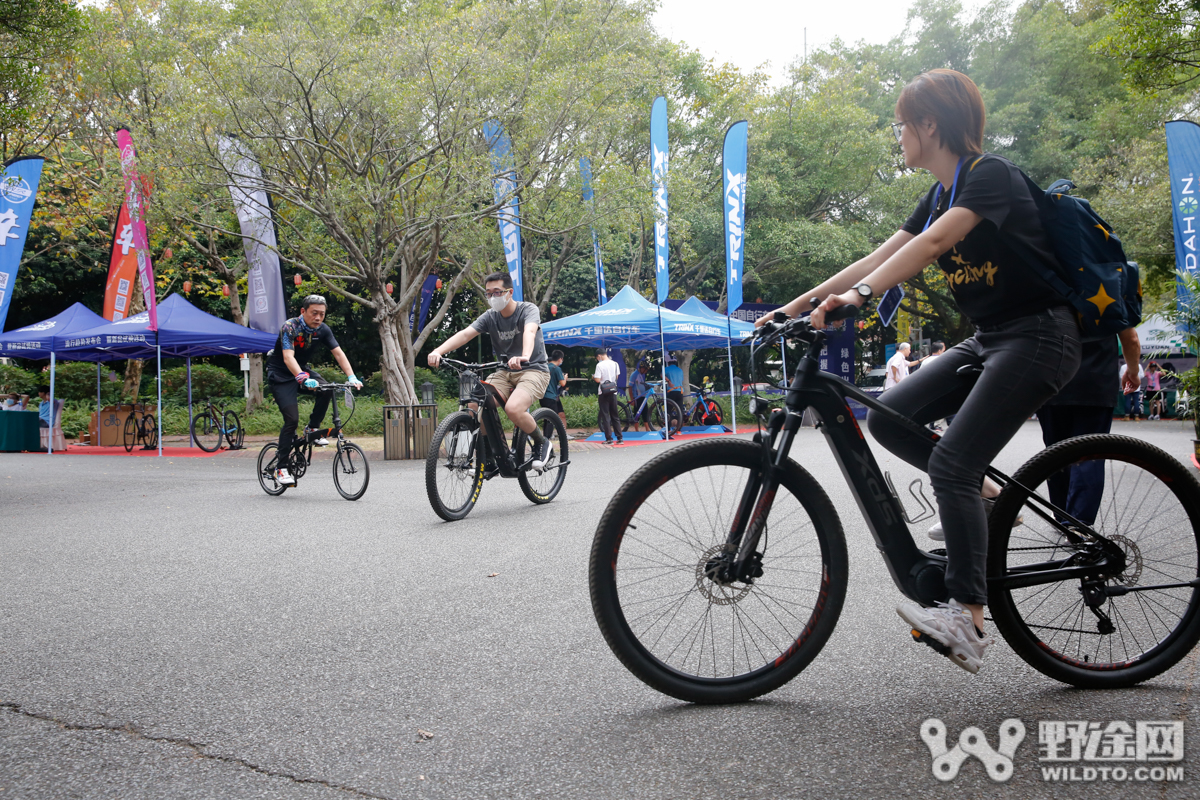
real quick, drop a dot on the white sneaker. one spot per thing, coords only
(321, 442)
(949, 630)
(284, 478)
(938, 535)
(542, 458)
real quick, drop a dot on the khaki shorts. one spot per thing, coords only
(533, 381)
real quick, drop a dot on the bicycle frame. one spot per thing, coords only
(302, 445)
(919, 575)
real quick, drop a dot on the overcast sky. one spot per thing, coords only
(750, 32)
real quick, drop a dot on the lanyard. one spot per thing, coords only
(938, 195)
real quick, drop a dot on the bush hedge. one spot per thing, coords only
(15, 379)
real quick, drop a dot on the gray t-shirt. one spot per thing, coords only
(508, 334)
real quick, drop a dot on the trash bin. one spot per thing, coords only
(408, 431)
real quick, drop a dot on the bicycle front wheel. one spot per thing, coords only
(544, 486)
(233, 430)
(206, 432)
(129, 435)
(1125, 625)
(698, 415)
(674, 417)
(267, 465)
(453, 470)
(150, 430)
(665, 615)
(351, 473)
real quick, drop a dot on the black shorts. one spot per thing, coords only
(552, 403)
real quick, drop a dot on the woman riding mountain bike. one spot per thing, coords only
(978, 222)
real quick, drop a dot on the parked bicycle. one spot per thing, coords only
(460, 459)
(351, 471)
(703, 410)
(719, 569)
(140, 427)
(654, 410)
(213, 424)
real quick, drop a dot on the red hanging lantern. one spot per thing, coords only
(439, 284)
(187, 287)
(168, 253)
(225, 289)
(297, 279)
(388, 288)
(554, 309)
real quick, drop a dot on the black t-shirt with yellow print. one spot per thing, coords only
(992, 281)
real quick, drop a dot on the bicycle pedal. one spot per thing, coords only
(929, 641)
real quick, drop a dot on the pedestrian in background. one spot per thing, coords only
(605, 377)
(1133, 392)
(898, 365)
(674, 375)
(552, 399)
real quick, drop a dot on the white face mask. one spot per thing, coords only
(498, 303)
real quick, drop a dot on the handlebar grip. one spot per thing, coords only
(847, 311)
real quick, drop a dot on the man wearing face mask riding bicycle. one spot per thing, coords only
(516, 334)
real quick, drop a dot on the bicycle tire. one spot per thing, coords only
(544, 487)
(206, 432)
(625, 414)
(149, 433)
(683, 501)
(698, 415)
(349, 468)
(453, 469)
(233, 430)
(266, 470)
(674, 417)
(1050, 626)
(129, 434)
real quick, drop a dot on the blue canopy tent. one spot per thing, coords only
(737, 331)
(36, 342)
(630, 320)
(184, 331)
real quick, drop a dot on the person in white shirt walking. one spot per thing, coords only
(606, 375)
(898, 365)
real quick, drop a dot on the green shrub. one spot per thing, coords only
(15, 379)
(207, 381)
(76, 380)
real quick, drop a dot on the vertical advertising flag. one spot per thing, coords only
(266, 309)
(734, 166)
(1183, 164)
(135, 203)
(889, 304)
(585, 169)
(18, 192)
(122, 269)
(505, 183)
(426, 297)
(658, 177)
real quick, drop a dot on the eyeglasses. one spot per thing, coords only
(498, 292)
(898, 129)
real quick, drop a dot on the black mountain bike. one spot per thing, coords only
(656, 411)
(351, 472)
(460, 459)
(719, 569)
(213, 424)
(140, 427)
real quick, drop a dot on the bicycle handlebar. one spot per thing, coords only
(782, 327)
(463, 365)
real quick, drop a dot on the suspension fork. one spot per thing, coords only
(759, 495)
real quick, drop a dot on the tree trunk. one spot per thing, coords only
(256, 382)
(397, 359)
(685, 363)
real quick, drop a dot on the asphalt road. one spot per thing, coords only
(168, 630)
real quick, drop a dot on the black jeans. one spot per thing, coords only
(287, 397)
(610, 417)
(1078, 492)
(1025, 362)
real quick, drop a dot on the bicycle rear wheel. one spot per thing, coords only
(150, 430)
(676, 626)
(543, 487)
(206, 432)
(674, 417)
(453, 469)
(266, 470)
(233, 430)
(129, 435)
(625, 413)
(351, 473)
(1114, 629)
(698, 414)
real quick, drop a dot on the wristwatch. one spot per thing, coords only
(863, 290)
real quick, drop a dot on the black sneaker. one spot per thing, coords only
(542, 456)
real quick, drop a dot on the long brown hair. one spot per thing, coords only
(951, 100)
